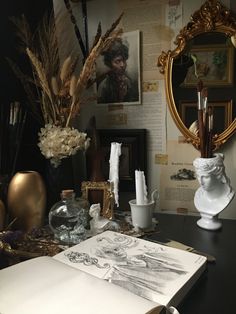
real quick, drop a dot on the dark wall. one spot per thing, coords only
(11, 88)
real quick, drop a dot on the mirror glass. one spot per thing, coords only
(209, 57)
(204, 52)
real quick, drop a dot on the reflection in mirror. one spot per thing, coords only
(209, 57)
(204, 52)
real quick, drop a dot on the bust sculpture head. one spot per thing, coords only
(211, 173)
(215, 192)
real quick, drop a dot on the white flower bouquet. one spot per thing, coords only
(56, 142)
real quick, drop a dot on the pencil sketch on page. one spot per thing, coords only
(146, 270)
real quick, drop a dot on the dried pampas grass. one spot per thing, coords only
(59, 90)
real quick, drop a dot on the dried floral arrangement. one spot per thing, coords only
(55, 93)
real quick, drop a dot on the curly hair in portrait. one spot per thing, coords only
(117, 84)
(118, 48)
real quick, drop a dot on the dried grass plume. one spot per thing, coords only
(59, 91)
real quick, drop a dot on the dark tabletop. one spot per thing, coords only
(215, 291)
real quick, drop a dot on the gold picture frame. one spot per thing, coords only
(222, 114)
(105, 188)
(213, 64)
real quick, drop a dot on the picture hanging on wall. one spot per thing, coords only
(118, 71)
(133, 154)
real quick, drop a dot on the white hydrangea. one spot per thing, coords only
(56, 142)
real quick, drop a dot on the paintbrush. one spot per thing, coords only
(200, 118)
(18, 137)
(204, 94)
(209, 135)
(6, 138)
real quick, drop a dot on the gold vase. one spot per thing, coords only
(2, 215)
(26, 200)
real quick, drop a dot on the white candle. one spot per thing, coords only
(140, 188)
(114, 169)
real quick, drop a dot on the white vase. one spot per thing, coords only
(215, 192)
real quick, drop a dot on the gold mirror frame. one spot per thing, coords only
(211, 17)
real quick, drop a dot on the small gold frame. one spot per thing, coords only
(108, 195)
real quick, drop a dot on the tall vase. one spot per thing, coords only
(58, 179)
(215, 192)
(26, 200)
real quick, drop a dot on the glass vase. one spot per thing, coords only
(57, 179)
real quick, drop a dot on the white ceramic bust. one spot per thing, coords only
(214, 193)
(98, 223)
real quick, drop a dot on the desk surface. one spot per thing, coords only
(214, 293)
(215, 290)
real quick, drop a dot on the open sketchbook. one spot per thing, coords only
(108, 273)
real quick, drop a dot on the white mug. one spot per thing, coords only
(141, 215)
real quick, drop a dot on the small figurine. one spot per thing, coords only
(98, 223)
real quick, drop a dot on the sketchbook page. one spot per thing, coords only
(44, 285)
(148, 269)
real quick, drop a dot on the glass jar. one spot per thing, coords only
(84, 205)
(67, 219)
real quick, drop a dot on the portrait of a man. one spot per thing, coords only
(118, 71)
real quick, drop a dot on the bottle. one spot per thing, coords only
(67, 219)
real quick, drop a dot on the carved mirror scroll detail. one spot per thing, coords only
(209, 31)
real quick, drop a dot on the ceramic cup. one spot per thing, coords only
(141, 215)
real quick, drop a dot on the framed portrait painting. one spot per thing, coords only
(118, 71)
(213, 64)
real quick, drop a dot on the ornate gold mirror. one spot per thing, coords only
(205, 51)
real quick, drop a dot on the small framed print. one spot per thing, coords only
(213, 64)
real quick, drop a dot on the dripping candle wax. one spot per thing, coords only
(114, 169)
(140, 188)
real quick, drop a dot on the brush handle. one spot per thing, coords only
(209, 144)
(201, 132)
(206, 134)
(209, 134)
